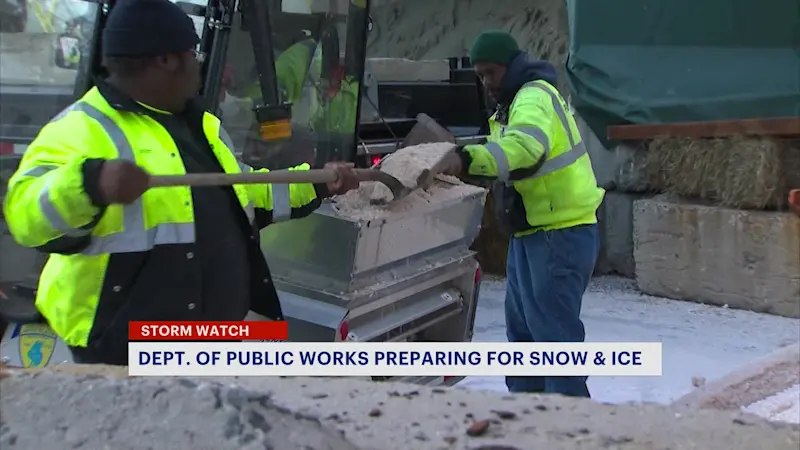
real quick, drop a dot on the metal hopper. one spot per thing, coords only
(408, 275)
(339, 255)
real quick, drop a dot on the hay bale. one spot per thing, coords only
(492, 243)
(737, 172)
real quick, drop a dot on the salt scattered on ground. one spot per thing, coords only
(698, 340)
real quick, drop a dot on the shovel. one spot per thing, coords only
(278, 177)
(425, 179)
(425, 130)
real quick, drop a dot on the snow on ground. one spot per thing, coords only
(699, 340)
(783, 406)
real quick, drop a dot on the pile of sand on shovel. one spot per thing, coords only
(737, 172)
(373, 200)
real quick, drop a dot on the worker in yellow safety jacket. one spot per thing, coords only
(330, 106)
(324, 108)
(118, 251)
(291, 68)
(547, 198)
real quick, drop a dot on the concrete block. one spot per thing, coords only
(615, 219)
(401, 69)
(602, 159)
(630, 175)
(621, 165)
(743, 259)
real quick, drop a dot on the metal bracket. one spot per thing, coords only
(219, 20)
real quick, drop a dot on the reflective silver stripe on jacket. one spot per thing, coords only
(502, 158)
(48, 208)
(134, 237)
(226, 139)
(550, 165)
(55, 218)
(38, 171)
(570, 156)
(281, 205)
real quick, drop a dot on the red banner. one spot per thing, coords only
(208, 331)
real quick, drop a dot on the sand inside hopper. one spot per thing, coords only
(406, 165)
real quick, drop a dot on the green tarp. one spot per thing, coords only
(664, 61)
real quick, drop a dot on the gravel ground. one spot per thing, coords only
(701, 342)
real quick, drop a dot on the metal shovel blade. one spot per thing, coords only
(399, 190)
(425, 179)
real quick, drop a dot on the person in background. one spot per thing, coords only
(118, 251)
(291, 70)
(546, 195)
(323, 107)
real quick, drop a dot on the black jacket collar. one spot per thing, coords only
(122, 102)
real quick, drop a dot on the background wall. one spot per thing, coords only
(423, 29)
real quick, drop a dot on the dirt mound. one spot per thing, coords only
(146, 414)
(422, 29)
(96, 407)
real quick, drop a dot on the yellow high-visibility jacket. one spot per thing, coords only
(298, 70)
(291, 68)
(47, 207)
(539, 157)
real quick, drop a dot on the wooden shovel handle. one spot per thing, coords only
(229, 179)
(276, 176)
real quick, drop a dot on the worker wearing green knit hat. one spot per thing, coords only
(546, 197)
(494, 46)
(493, 53)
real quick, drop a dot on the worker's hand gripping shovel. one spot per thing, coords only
(277, 177)
(443, 165)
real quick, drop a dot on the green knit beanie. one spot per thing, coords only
(494, 46)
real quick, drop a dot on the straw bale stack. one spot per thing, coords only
(738, 172)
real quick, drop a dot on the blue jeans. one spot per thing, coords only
(547, 274)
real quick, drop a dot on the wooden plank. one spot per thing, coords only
(781, 127)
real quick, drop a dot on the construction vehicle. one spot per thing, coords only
(410, 277)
